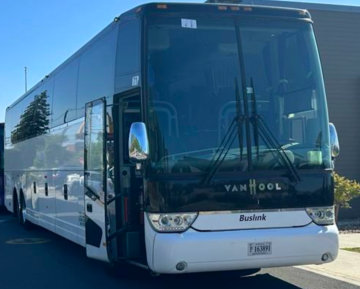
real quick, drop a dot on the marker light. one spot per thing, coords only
(322, 215)
(222, 8)
(161, 6)
(176, 222)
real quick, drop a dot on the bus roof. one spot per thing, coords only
(242, 9)
(339, 7)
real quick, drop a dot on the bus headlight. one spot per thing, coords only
(174, 222)
(322, 215)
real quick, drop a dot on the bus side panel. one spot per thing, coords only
(48, 170)
(32, 192)
(69, 182)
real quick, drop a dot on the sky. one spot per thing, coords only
(41, 34)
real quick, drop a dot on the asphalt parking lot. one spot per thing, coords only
(40, 259)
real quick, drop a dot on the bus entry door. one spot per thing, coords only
(129, 235)
(95, 180)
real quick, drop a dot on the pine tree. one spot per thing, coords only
(34, 121)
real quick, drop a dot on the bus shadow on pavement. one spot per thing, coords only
(70, 259)
(227, 279)
(231, 280)
(4, 212)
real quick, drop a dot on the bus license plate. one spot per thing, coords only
(263, 248)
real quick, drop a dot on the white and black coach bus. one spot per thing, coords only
(183, 138)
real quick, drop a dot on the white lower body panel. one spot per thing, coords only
(228, 250)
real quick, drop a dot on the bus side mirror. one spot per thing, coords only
(334, 141)
(138, 143)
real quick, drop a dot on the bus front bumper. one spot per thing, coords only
(194, 251)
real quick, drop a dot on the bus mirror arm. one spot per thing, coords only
(138, 143)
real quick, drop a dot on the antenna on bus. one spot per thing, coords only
(25, 70)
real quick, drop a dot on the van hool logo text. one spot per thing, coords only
(253, 187)
(254, 217)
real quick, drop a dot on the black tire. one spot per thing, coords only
(22, 213)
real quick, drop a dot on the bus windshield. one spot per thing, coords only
(240, 94)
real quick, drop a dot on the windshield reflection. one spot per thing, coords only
(195, 94)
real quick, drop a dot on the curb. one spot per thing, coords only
(336, 276)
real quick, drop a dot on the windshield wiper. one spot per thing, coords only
(239, 115)
(227, 141)
(223, 150)
(251, 91)
(260, 128)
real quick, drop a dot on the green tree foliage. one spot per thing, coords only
(34, 121)
(135, 145)
(345, 190)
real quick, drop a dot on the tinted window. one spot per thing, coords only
(96, 73)
(64, 101)
(12, 119)
(34, 118)
(48, 89)
(16, 118)
(128, 55)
